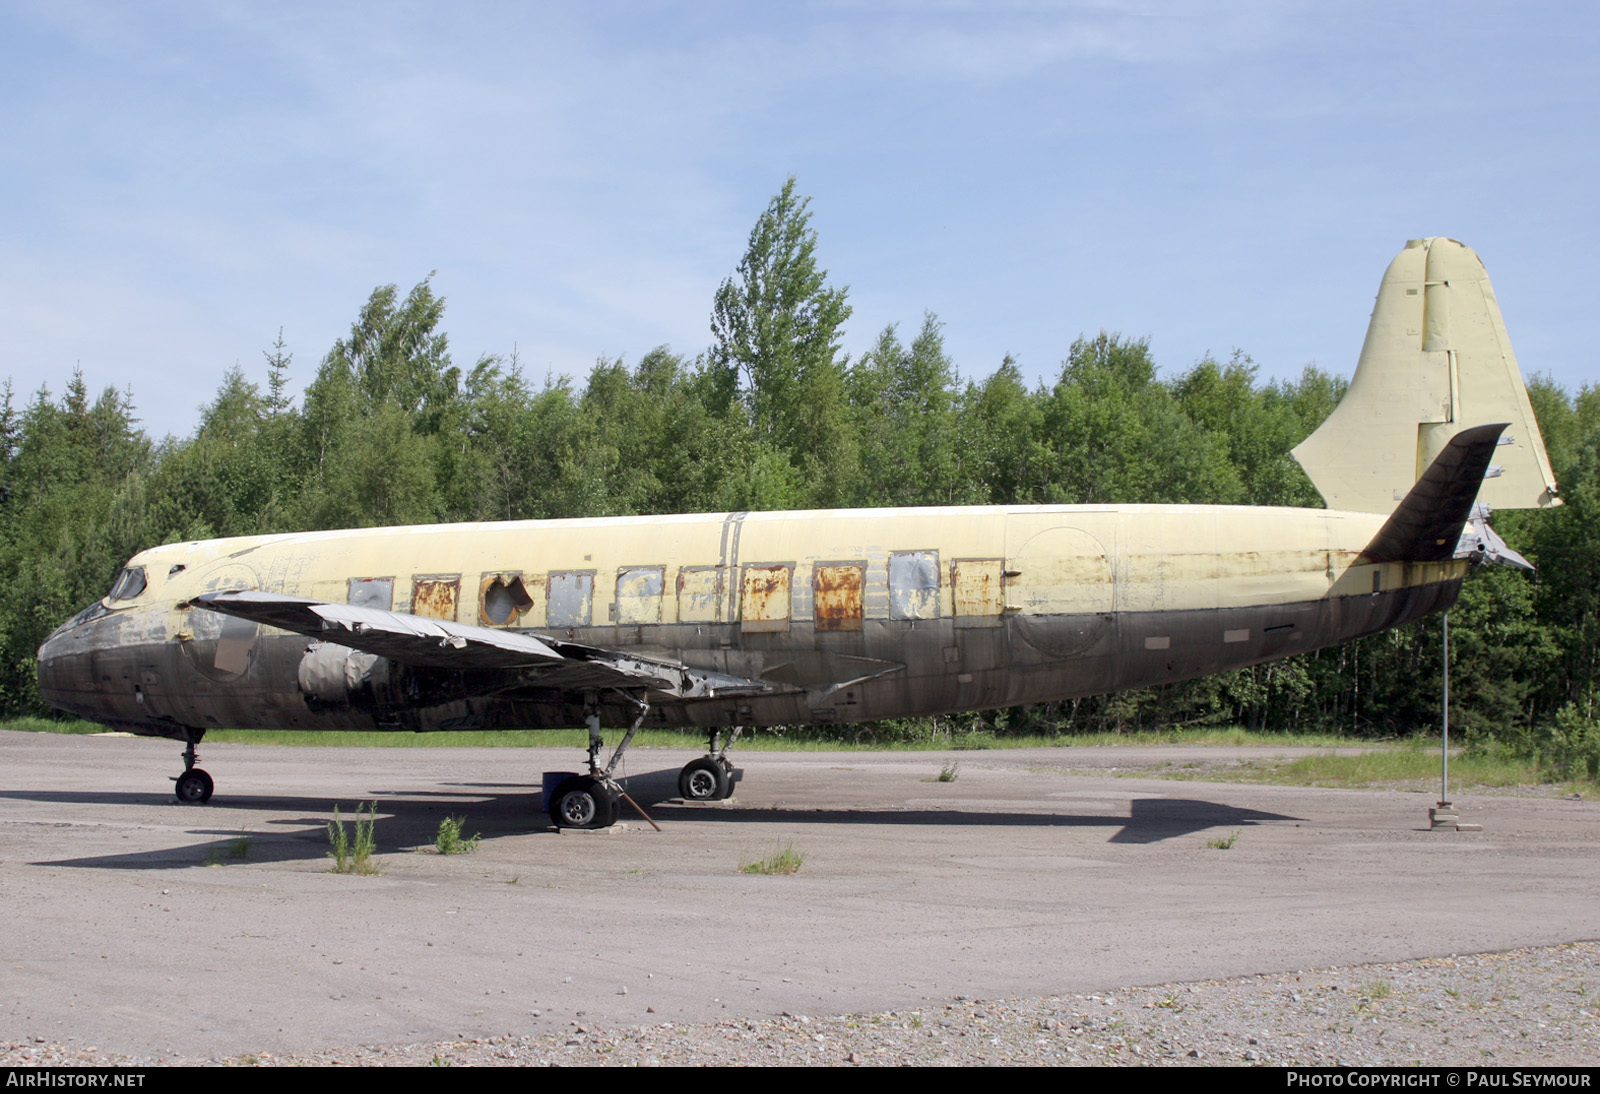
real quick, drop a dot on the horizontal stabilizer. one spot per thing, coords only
(1426, 525)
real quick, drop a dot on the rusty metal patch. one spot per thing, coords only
(699, 594)
(836, 595)
(434, 596)
(764, 596)
(571, 598)
(977, 589)
(639, 594)
(914, 585)
(502, 598)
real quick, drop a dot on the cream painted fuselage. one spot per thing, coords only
(829, 616)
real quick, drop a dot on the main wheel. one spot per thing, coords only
(584, 802)
(704, 780)
(193, 787)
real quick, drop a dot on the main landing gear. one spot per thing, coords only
(711, 777)
(594, 800)
(194, 786)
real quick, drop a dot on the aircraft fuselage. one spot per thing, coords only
(840, 615)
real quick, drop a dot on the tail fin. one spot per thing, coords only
(1437, 360)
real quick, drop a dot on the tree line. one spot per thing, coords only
(390, 430)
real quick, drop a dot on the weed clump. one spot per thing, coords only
(1223, 843)
(784, 860)
(353, 856)
(450, 841)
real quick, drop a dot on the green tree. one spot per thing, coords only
(776, 326)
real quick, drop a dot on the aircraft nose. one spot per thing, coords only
(66, 665)
(54, 672)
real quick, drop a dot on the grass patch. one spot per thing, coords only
(1401, 765)
(53, 725)
(353, 856)
(783, 860)
(450, 841)
(1411, 765)
(949, 773)
(1224, 843)
(237, 849)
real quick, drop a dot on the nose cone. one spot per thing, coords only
(65, 668)
(89, 666)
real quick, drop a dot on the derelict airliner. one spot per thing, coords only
(726, 621)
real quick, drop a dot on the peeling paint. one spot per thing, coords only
(639, 594)
(700, 594)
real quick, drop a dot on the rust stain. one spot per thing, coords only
(435, 597)
(765, 599)
(977, 585)
(837, 597)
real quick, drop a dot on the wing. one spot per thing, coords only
(439, 644)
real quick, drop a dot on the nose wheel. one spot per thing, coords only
(194, 786)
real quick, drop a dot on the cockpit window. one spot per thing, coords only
(129, 584)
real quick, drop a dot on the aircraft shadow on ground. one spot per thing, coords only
(409, 819)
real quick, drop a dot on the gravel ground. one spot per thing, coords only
(1528, 1007)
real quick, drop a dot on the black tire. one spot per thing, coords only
(584, 802)
(704, 780)
(193, 787)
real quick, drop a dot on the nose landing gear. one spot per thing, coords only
(194, 786)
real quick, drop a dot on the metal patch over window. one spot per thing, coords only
(372, 592)
(700, 594)
(764, 597)
(434, 596)
(914, 585)
(977, 588)
(571, 598)
(836, 595)
(639, 594)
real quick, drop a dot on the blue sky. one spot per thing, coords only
(180, 181)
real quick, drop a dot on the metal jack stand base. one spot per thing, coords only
(1444, 816)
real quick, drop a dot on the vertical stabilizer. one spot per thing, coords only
(1437, 360)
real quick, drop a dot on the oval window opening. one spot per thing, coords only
(498, 604)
